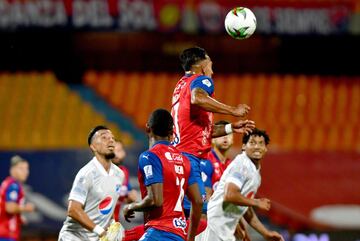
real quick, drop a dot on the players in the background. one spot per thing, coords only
(193, 105)
(127, 193)
(234, 196)
(213, 167)
(94, 192)
(165, 176)
(12, 200)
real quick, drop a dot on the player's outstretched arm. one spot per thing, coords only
(14, 208)
(76, 212)
(233, 195)
(154, 198)
(202, 99)
(242, 127)
(194, 195)
(251, 217)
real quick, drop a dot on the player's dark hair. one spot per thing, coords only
(161, 122)
(222, 122)
(93, 131)
(256, 132)
(191, 56)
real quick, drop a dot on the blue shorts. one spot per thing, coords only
(7, 239)
(195, 166)
(153, 234)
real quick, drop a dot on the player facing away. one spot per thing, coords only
(12, 200)
(193, 105)
(94, 192)
(165, 176)
(127, 193)
(234, 195)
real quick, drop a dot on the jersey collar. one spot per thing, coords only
(167, 143)
(252, 164)
(215, 155)
(101, 168)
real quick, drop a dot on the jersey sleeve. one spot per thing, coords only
(238, 175)
(13, 192)
(150, 168)
(80, 188)
(129, 186)
(203, 82)
(206, 172)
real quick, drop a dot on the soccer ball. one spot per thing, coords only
(240, 23)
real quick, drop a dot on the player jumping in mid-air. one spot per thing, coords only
(165, 176)
(193, 105)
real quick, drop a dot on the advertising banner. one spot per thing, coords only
(279, 17)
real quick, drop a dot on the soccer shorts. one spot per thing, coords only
(153, 234)
(195, 167)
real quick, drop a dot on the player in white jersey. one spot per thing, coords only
(94, 192)
(234, 195)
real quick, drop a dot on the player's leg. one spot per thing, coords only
(195, 168)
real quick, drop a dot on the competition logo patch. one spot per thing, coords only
(179, 223)
(105, 205)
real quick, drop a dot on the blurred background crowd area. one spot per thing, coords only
(68, 65)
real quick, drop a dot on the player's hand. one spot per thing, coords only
(273, 236)
(240, 110)
(263, 203)
(243, 126)
(28, 207)
(241, 232)
(115, 232)
(128, 213)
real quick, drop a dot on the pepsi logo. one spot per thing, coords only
(105, 205)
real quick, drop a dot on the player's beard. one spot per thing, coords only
(109, 156)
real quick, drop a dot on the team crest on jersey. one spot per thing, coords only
(179, 223)
(106, 205)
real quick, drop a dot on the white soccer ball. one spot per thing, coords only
(240, 23)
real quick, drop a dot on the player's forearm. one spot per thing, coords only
(238, 199)
(200, 98)
(144, 205)
(252, 219)
(82, 218)
(13, 208)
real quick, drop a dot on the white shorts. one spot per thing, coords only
(74, 236)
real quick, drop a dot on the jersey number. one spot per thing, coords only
(175, 112)
(180, 183)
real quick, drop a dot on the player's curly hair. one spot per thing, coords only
(256, 132)
(191, 56)
(161, 122)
